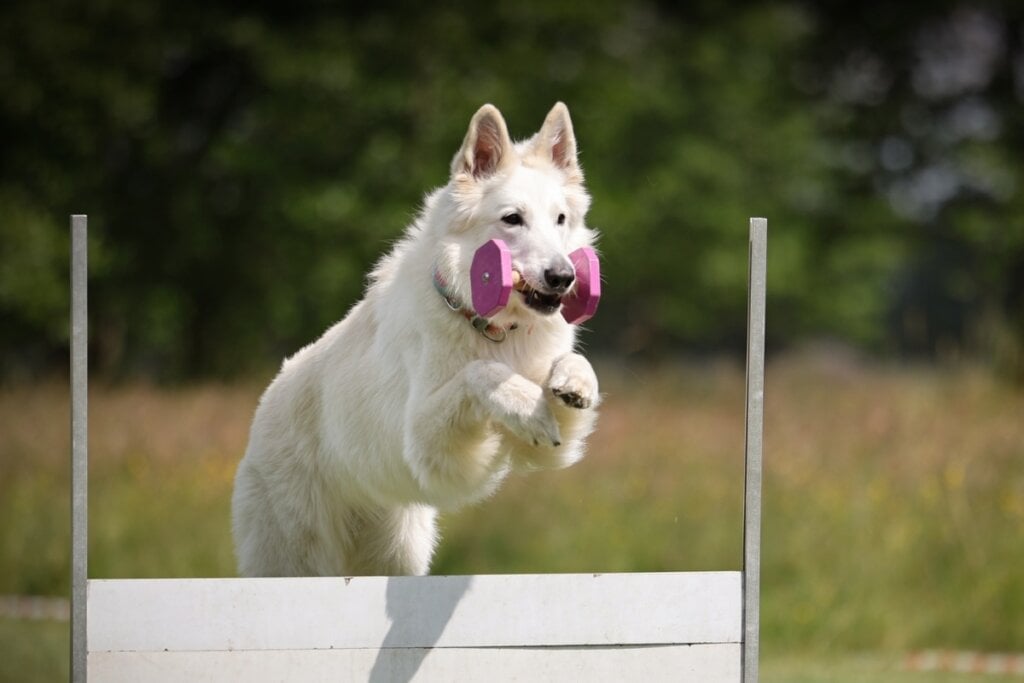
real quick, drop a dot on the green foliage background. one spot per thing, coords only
(242, 166)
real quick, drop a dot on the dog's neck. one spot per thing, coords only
(484, 326)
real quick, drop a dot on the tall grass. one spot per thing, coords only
(894, 497)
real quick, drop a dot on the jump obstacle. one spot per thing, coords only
(680, 626)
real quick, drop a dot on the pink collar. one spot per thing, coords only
(485, 327)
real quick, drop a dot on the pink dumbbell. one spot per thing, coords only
(582, 304)
(491, 276)
(493, 279)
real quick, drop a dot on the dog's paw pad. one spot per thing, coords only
(571, 398)
(573, 381)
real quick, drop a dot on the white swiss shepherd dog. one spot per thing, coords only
(405, 408)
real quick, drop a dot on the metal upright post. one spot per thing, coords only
(756, 286)
(79, 443)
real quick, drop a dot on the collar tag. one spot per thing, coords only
(480, 324)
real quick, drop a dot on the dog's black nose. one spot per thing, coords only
(559, 279)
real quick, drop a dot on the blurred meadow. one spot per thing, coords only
(894, 503)
(243, 167)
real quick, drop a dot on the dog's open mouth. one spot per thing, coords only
(539, 301)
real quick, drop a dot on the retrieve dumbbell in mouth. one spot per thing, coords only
(493, 280)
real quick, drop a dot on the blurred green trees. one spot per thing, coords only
(243, 166)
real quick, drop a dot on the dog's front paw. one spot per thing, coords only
(516, 402)
(539, 428)
(573, 382)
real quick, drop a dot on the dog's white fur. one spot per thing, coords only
(403, 408)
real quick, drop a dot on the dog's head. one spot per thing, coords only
(531, 196)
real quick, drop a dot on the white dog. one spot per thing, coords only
(412, 404)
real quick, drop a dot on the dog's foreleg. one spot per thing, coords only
(450, 444)
(572, 393)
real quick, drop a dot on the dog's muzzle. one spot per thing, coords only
(545, 303)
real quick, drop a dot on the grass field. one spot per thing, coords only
(894, 504)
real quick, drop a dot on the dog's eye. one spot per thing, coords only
(561, 219)
(513, 219)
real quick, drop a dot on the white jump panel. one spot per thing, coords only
(527, 610)
(492, 627)
(697, 663)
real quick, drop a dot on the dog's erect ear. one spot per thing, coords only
(557, 139)
(487, 146)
